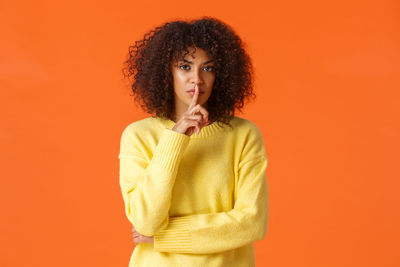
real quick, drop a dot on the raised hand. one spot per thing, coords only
(190, 122)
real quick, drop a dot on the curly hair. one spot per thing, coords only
(149, 62)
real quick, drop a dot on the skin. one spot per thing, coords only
(185, 124)
(139, 238)
(194, 69)
(190, 121)
(190, 115)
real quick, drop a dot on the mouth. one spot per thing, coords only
(191, 92)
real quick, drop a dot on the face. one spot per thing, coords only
(195, 69)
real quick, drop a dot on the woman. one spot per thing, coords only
(193, 176)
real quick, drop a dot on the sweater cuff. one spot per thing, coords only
(169, 150)
(176, 237)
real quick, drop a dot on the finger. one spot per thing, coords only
(205, 123)
(196, 124)
(199, 116)
(148, 239)
(135, 234)
(200, 122)
(145, 239)
(194, 109)
(138, 239)
(194, 117)
(202, 110)
(195, 97)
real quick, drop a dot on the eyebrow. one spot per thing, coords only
(190, 62)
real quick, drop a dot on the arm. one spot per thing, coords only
(146, 185)
(216, 232)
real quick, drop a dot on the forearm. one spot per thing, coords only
(215, 232)
(146, 188)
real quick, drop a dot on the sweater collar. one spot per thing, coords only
(204, 132)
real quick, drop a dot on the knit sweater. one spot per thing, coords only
(203, 198)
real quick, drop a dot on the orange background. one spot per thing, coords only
(327, 85)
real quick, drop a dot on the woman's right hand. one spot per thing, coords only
(190, 122)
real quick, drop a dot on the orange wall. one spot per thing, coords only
(327, 84)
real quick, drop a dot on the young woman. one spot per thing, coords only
(193, 176)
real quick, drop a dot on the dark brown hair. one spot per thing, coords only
(149, 62)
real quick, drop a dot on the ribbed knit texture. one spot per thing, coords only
(203, 198)
(169, 150)
(177, 237)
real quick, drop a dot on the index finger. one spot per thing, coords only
(195, 97)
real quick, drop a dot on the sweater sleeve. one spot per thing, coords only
(146, 185)
(216, 232)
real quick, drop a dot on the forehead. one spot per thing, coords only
(194, 53)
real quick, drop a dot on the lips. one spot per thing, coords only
(192, 91)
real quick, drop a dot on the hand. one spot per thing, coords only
(139, 238)
(190, 122)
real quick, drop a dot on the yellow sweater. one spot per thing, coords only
(203, 197)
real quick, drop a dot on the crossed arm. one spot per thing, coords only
(147, 185)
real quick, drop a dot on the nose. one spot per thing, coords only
(196, 77)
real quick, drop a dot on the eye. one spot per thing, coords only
(210, 68)
(183, 66)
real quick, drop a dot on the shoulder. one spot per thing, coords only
(141, 126)
(138, 136)
(249, 137)
(246, 127)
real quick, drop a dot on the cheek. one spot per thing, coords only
(211, 80)
(178, 83)
(181, 78)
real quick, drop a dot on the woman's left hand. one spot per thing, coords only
(139, 238)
